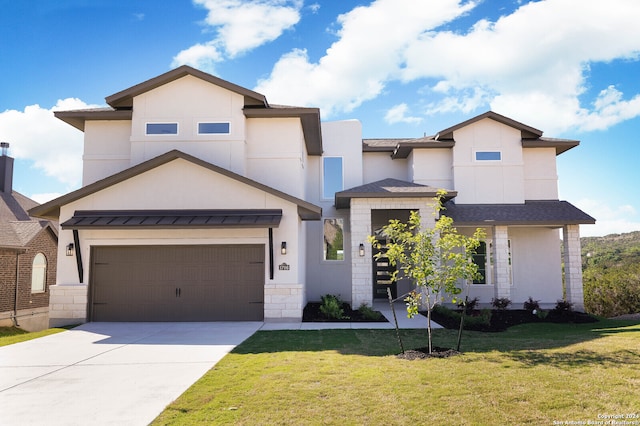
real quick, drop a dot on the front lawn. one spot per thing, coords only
(11, 335)
(529, 374)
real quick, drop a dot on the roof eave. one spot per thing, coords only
(309, 119)
(78, 118)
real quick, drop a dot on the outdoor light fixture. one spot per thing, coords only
(361, 250)
(283, 247)
(70, 249)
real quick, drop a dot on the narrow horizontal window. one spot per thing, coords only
(213, 128)
(162, 128)
(488, 156)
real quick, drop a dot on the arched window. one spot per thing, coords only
(38, 273)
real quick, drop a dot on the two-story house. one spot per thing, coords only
(201, 201)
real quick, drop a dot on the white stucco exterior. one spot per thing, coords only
(275, 160)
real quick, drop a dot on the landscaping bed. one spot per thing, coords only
(312, 313)
(496, 320)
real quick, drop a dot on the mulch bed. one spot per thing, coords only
(311, 313)
(501, 319)
(423, 353)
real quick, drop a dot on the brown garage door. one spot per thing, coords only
(177, 283)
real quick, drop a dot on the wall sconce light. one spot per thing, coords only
(70, 249)
(283, 247)
(361, 250)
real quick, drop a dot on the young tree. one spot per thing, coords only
(438, 260)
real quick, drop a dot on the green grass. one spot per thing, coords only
(529, 374)
(11, 335)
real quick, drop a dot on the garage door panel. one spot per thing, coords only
(177, 283)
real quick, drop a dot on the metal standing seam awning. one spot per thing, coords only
(173, 219)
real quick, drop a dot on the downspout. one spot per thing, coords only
(15, 301)
(270, 253)
(76, 243)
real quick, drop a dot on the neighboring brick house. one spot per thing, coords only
(28, 256)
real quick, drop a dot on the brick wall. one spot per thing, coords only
(29, 304)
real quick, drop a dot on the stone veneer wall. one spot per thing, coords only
(67, 304)
(283, 302)
(573, 266)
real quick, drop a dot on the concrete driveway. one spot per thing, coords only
(109, 373)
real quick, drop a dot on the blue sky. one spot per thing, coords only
(403, 67)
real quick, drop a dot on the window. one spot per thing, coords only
(484, 259)
(333, 239)
(162, 128)
(488, 156)
(480, 259)
(331, 176)
(38, 273)
(213, 128)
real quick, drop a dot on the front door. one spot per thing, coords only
(382, 272)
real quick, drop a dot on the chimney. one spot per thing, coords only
(6, 169)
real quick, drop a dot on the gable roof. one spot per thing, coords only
(17, 228)
(401, 148)
(547, 213)
(124, 98)
(255, 106)
(528, 132)
(387, 188)
(51, 210)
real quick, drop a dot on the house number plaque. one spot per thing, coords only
(284, 267)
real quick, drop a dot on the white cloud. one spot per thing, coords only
(532, 64)
(398, 114)
(52, 145)
(609, 219)
(366, 56)
(240, 26)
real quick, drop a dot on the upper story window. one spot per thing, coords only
(222, 128)
(162, 129)
(488, 156)
(332, 176)
(38, 273)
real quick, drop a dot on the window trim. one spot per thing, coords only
(146, 128)
(42, 286)
(323, 182)
(228, 132)
(487, 160)
(324, 244)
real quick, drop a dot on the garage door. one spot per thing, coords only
(177, 283)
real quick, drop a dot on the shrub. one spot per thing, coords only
(452, 318)
(563, 306)
(470, 305)
(500, 302)
(331, 307)
(532, 305)
(368, 313)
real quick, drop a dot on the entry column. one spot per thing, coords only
(501, 266)
(573, 266)
(361, 276)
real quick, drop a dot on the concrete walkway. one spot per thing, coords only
(109, 373)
